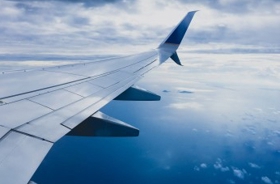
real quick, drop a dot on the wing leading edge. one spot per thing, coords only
(35, 113)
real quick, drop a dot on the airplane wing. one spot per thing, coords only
(39, 106)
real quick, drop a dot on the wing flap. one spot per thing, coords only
(3, 131)
(56, 124)
(31, 94)
(32, 81)
(21, 112)
(83, 89)
(56, 99)
(107, 97)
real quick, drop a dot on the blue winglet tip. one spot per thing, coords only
(178, 33)
(176, 59)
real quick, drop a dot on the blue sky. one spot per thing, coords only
(218, 120)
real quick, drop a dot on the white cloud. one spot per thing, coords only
(276, 112)
(265, 179)
(203, 165)
(194, 89)
(254, 165)
(239, 173)
(218, 165)
(7, 9)
(186, 105)
(56, 26)
(224, 169)
(196, 168)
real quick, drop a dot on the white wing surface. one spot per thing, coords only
(39, 106)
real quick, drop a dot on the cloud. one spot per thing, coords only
(231, 181)
(184, 92)
(239, 173)
(89, 3)
(237, 6)
(255, 166)
(186, 105)
(193, 90)
(203, 165)
(196, 168)
(84, 26)
(276, 112)
(265, 179)
(59, 26)
(276, 132)
(218, 165)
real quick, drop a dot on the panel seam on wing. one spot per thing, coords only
(31, 135)
(36, 90)
(29, 99)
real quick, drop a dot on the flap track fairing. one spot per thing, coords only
(102, 125)
(136, 93)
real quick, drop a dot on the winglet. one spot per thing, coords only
(176, 59)
(176, 36)
(167, 49)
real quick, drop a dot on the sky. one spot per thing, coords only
(84, 27)
(218, 119)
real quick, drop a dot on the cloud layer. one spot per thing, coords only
(89, 27)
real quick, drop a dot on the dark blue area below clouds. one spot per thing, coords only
(174, 146)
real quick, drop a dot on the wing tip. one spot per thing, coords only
(177, 35)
